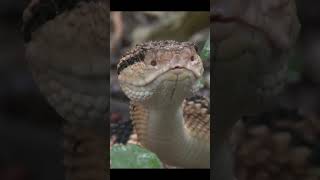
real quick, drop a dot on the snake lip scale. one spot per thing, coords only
(157, 77)
(175, 70)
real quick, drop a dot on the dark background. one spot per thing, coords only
(30, 135)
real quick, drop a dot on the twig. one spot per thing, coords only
(116, 18)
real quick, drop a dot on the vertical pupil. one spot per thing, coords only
(192, 58)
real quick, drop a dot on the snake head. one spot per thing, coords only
(160, 67)
(253, 41)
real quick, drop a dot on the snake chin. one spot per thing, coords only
(177, 83)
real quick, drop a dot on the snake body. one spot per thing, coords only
(67, 51)
(68, 59)
(158, 77)
(252, 41)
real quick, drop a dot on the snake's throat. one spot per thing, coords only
(163, 129)
(164, 133)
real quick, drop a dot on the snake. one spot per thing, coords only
(66, 46)
(161, 79)
(252, 43)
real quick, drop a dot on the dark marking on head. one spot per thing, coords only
(137, 53)
(130, 61)
(196, 48)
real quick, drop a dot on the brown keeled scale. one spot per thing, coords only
(196, 113)
(136, 54)
(60, 35)
(197, 116)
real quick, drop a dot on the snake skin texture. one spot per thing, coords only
(282, 144)
(196, 115)
(252, 41)
(67, 45)
(157, 77)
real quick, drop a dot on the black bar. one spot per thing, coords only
(160, 5)
(148, 174)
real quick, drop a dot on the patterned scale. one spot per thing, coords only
(67, 49)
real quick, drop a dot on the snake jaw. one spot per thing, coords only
(147, 61)
(160, 85)
(146, 68)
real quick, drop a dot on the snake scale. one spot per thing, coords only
(160, 77)
(252, 42)
(67, 51)
(67, 45)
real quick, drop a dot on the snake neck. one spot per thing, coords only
(165, 126)
(165, 134)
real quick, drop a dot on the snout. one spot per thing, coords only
(178, 69)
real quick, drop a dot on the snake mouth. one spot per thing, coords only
(181, 69)
(177, 70)
(177, 73)
(167, 74)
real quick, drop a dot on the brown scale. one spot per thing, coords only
(196, 112)
(136, 54)
(139, 118)
(277, 147)
(58, 38)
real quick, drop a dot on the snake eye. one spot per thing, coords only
(153, 63)
(192, 58)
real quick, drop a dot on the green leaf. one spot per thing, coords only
(133, 156)
(205, 52)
